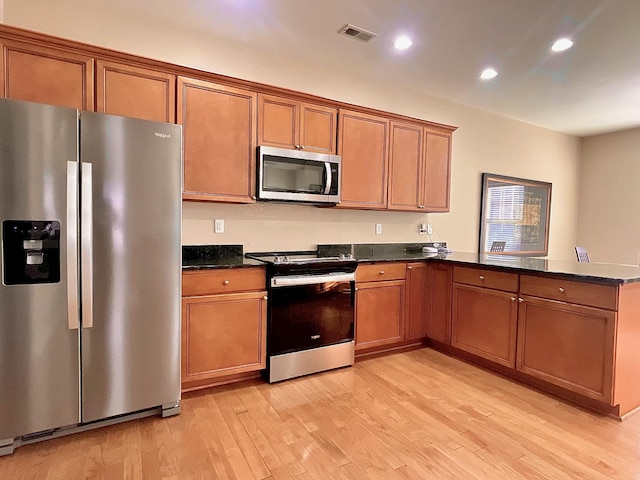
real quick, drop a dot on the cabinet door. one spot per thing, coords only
(379, 313)
(439, 302)
(318, 128)
(46, 75)
(484, 323)
(219, 132)
(223, 335)
(416, 302)
(278, 120)
(567, 345)
(437, 173)
(405, 167)
(135, 92)
(363, 144)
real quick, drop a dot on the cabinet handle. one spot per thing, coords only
(381, 272)
(561, 290)
(297, 147)
(520, 300)
(409, 267)
(264, 298)
(356, 289)
(302, 147)
(253, 197)
(226, 282)
(481, 277)
(513, 299)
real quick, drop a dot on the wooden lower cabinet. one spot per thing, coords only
(568, 345)
(484, 323)
(438, 314)
(380, 308)
(416, 301)
(223, 334)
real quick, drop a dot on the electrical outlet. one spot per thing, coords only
(429, 229)
(218, 226)
(378, 229)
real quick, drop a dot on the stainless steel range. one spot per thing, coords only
(310, 313)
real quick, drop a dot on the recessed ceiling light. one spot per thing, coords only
(402, 42)
(561, 45)
(488, 74)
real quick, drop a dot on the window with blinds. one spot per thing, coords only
(514, 211)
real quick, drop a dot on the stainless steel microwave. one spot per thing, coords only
(298, 176)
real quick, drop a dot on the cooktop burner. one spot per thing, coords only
(307, 262)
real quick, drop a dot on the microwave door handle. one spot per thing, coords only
(327, 170)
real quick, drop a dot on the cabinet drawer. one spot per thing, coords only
(486, 278)
(592, 295)
(374, 272)
(224, 280)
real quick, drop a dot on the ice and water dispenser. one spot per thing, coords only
(30, 252)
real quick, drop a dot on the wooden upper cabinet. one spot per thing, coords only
(419, 168)
(135, 92)
(219, 137)
(363, 143)
(288, 123)
(46, 75)
(406, 165)
(318, 128)
(437, 171)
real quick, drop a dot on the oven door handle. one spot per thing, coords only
(293, 280)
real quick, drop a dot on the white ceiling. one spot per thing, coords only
(592, 88)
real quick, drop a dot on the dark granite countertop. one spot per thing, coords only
(603, 273)
(197, 257)
(200, 257)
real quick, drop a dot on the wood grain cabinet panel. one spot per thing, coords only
(46, 75)
(486, 278)
(417, 289)
(406, 167)
(288, 123)
(363, 143)
(437, 171)
(439, 292)
(571, 346)
(130, 91)
(219, 132)
(375, 272)
(223, 335)
(380, 308)
(484, 323)
(224, 315)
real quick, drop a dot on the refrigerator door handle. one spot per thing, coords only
(73, 316)
(86, 242)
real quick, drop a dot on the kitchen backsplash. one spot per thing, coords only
(275, 226)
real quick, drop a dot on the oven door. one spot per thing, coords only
(309, 311)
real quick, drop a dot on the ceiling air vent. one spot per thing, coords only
(357, 32)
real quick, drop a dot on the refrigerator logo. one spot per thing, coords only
(162, 135)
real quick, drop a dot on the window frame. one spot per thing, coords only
(538, 190)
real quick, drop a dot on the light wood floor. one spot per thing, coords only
(415, 415)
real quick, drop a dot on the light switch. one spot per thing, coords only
(378, 229)
(218, 226)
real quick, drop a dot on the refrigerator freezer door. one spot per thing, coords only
(39, 353)
(131, 352)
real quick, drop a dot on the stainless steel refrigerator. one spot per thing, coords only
(90, 221)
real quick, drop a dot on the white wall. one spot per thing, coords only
(483, 142)
(609, 208)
